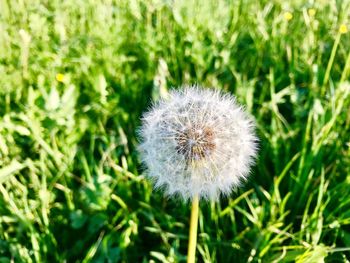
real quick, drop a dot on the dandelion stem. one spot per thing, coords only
(192, 242)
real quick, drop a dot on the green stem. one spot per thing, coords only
(192, 242)
(330, 62)
(346, 69)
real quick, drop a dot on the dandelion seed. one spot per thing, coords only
(343, 29)
(312, 12)
(198, 142)
(59, 77)
(288, 16)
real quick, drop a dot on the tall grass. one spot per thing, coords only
(75, 77)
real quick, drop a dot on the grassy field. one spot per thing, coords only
(75, 77)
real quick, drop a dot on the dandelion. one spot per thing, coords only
(59, 77)
(312, 12)
(288, 16)
(343, 29)
(197, 143)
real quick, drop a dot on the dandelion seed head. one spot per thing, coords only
(197, 142)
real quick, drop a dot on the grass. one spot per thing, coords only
(75, 79)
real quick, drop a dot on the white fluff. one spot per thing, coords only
(197, 142)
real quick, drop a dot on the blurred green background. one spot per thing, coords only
(75, 77)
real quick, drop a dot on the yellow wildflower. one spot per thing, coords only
(312, 12)
(288, 16)
(59, 77)
(343, 29)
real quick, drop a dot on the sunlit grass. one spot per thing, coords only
(75, 77)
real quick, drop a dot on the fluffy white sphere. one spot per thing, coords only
(197, 142)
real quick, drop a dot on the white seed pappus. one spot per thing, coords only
(198, 141)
